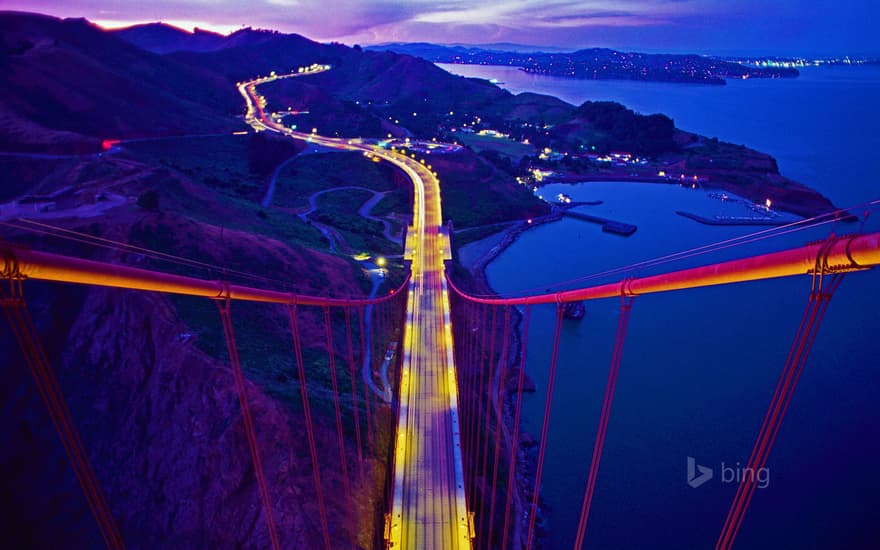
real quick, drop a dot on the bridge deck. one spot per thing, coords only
(428, 508)
(429, 505)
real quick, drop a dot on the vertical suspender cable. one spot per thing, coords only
(486, 414)
(343, 459)
(545, 428)
(502, 389)
(313, 451)
(367, 371)
(475, 431)
(50, 391)
(247, 417)
(817, 305)
(514, 441)
(619, 339)
(468, 369)
(352, 371)
(375, 362)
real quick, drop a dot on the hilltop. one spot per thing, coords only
(163, 38)
(67, 84)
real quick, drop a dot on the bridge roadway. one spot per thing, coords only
(428, 510)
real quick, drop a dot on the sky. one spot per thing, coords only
(780, 27)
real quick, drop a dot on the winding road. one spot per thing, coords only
(428, 508)
(363, 211)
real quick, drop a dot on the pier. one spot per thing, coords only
(608, 226)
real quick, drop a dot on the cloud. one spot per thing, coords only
(614, 23)
(598, 18)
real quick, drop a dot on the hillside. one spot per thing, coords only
(383, 84)
(163, 38)
(68, 82)
(147, 376)
(248, 52)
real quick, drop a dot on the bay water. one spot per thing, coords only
(700, 366)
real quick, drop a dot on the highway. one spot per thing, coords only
(428, 509)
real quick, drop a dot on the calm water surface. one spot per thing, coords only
(700, 366)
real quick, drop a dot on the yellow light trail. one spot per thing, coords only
(428, 508)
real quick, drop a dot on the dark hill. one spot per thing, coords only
(533, 108)
(247, 53)
(66, 79)
(388, 85)
(395, 79)
(646, 134)
(163, 38)
(379, 84)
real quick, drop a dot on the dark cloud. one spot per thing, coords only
(585, 16)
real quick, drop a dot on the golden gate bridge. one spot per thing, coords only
(452, 451)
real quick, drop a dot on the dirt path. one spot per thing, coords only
(364, 211)
(49, 210)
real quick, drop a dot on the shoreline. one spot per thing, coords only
(524, 476)
(477, 267)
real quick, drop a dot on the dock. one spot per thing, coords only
(608, 226)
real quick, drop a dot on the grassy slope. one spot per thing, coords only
(312, 173)
(476, 193)
(503, 146)
(221, 165)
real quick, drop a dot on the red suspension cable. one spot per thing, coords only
(817, 305)
(468, 372)
(486, 417)
(738, 506)
(352, 370)
(365, 367)
(376, 364)
(343, 459)
(545, 428)
(502, 389)
(478, 406)
(226, 318)
(313, 451)
(25, 333)
(514, 441)
(625, 308)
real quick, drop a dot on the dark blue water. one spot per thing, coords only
(822, 127)
(700, 366)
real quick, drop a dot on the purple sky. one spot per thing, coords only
(719, 26)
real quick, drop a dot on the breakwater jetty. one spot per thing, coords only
(608, 226)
